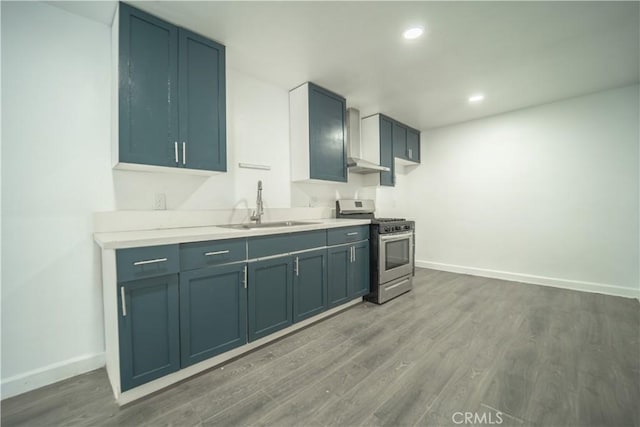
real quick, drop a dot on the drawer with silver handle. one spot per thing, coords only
(337, 236)
(393, 289)
(150, 261)
(203, 254)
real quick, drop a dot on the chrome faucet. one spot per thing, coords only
(259, 211)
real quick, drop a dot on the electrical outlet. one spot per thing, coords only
(160, 201)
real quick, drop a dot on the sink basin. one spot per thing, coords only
(275, 224)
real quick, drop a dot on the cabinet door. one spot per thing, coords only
(327, 135)
(148, 75)
(339, 274)
(413, 145)
(386, 152)
(149, 329)
(359, 283)
(213, 312)
(399, 141)
(202, 103)
(309, 284)
(270, 296)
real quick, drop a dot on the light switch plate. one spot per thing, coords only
(160, 201)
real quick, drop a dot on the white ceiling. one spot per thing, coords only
(518, 53)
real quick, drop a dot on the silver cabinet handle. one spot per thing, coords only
(351, 254)
(150, 261)
(184, 153)
(410, 153)
(176, 150)
(355, 233)
(245, 277)
(216, 253)
(123, 302)
(297, 266)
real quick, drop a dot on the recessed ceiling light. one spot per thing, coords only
(478, 97)
(413, 33)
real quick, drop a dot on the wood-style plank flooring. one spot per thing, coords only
(455, 344)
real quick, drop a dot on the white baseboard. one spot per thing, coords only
(41, 377)
(575, 285)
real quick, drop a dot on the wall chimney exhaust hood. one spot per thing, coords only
(360, 158)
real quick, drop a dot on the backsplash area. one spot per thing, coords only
(153, 220)
(195, 201)
(235, 190)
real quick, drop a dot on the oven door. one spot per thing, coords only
(396, 256)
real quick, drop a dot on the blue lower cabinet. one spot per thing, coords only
(309, 284)
(360, 273)
(348, 272)
(270, 294)
(339, 271)
(213, 311)
(148, 319)
(175, 320)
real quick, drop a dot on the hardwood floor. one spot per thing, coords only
(524, 354)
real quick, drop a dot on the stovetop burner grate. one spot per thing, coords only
(389, 219)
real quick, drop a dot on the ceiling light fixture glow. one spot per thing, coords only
(476, 98)
(413, 33)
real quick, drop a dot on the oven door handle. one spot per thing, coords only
(392, 237)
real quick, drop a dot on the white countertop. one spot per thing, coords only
(133, 239)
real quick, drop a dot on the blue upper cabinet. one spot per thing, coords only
(413, 145)
(396, 141)
(406, 143)
(327, 135)
(318, 134)
(171, 96)
(399, 140)
(202, 102)
(386, 152)
(148, 92)
(378, 131)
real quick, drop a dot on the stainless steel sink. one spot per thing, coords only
(275, 224)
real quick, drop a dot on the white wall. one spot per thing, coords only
(569, 211)
(545, 195)
(55, 172)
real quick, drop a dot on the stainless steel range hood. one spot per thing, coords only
(363, 166)
(356, 161)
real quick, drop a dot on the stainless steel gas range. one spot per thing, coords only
(392, 246)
